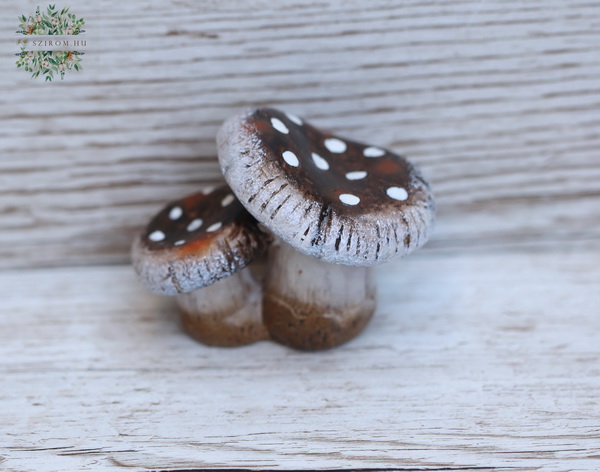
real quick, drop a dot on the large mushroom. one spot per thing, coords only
(337, 206)
(195, 248)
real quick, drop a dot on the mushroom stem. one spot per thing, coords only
(309, 304)
(227, 313)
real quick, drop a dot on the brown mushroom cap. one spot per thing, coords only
(338, 200)
(196, 241)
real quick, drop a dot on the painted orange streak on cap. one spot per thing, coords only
(196, 246)
(261, 126)
(388, 167)
(192, 201)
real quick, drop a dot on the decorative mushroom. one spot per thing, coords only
(195, 248)
(337, 207)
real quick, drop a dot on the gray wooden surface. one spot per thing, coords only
(480, 360)
(498, 101)
(483, 353)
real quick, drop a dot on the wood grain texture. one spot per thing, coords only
(498, 101)
(497, 370)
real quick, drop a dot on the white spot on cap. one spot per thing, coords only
(179, 243)
(373, 151)
(279, 125)
(290, 158)
(207, 190)
(227, 200)
(358, 175)
(294, 119)
(156, 236)
(335, 145)
(397, 193)
(175, 213)
(349, 199)
(319, 161)
(195, 224)
(213, 227)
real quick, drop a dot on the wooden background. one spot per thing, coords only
(498, 101)
(484, 351)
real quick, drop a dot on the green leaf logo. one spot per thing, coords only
(51, 22)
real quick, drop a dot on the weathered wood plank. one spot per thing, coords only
(497, 101)
(477, 360)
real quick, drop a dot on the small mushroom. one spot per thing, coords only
(337, 207)
(195, 248)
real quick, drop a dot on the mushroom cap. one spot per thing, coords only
(196, 241)
(338, 200)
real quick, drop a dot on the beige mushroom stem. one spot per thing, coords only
(226, 313)
(309, 304)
